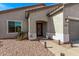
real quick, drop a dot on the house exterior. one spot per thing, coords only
(58, 22)
(66, 22)
(17, 19)
(13, 19)
(39, 23)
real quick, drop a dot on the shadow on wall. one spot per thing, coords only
(51, 28)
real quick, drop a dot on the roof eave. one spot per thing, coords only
(58, 9)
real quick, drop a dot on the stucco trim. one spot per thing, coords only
(72, 18)
(59, 36)
(49, 35)
(66, 37)
(32, 36)
(58, 9)
(14, 21)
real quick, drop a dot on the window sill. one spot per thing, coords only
(13, 33)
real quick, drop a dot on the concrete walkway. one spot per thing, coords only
(57, 49)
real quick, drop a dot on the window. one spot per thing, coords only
(14, 26)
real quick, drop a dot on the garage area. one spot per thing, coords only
(74, 31)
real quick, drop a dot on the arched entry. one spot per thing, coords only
(41, 28)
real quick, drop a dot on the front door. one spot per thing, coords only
(39, 29)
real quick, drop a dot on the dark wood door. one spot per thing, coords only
(39, 29)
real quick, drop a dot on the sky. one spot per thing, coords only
(6, 6)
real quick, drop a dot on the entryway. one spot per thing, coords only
(41, 28)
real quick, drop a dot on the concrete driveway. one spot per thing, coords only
(11, 47)
(64, 48)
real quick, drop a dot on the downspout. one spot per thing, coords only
(27, 17)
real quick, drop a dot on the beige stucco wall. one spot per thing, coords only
(71, 10)
(18, 15)
(14, 15)
(40, 15)
(58, 26)
(44, 29)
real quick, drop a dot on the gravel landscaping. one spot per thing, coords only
(11, 47)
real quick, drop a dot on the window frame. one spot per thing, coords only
(14, 21)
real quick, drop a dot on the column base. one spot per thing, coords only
(49, 35)
(32, 36)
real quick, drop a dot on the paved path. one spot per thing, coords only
(57, 49)
(11, 47)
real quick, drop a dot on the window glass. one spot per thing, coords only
(14, 26)
(11, 26)
(18, 26)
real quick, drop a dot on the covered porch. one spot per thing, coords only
(39, 26)
(38, 30)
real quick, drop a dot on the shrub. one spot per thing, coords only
(20, 36)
